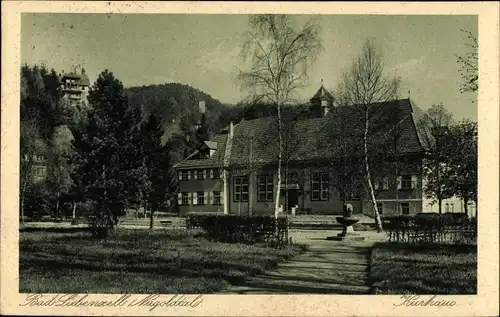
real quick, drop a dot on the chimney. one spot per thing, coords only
(83, 71)
(231, 129)
(201, 107)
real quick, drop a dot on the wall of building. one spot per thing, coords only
(332, 206)
(389, 207)
(207, 185)
(453, 204)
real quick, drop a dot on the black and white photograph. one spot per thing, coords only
(248, 154)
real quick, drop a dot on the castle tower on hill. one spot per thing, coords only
(75, 86)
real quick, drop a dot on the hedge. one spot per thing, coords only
(243, 229)
(433, 228)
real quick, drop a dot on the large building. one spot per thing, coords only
(75, 87)
(235, 172)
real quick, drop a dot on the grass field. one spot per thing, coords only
(423, 269)
(138, 261)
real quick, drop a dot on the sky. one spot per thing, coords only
(202, 50)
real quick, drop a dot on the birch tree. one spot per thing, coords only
(469, 65)
(279, 56)
(365, 87)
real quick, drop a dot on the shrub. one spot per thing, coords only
(244, 229)
(431, 228)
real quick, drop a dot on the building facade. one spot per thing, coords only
(75, 87)
(236, 172)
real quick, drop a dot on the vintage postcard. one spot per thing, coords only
(250, 158)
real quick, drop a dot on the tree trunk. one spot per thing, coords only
(396, 157)
(57, 208)
(73, 218)
(440, 207)
(250, 180)
(24, 182)
(286, 189)
(280, 150)
(466, 207)
(150, 216)
(368, 175)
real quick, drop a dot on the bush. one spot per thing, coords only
(243, 229)
(431, 228)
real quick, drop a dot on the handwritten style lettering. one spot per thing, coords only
(413, 300)
(83, 300)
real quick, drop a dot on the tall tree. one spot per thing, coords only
(461, 144)
(437, 170)
(469, 65)
(365, 87)
(106, 159)
(343, 143)
(280, 56)
(58, 171)
(33, 99)
(151, 134)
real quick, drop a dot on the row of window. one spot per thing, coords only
(320, 186)
(404, 207)
(212, 173)
(404, 182)
(199, 198)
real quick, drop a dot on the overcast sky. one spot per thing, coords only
(202, 50)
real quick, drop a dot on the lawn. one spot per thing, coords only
(423, 269)
(138, 261)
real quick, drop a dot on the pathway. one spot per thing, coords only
(328, 267)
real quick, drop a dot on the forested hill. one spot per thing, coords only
(176, 106)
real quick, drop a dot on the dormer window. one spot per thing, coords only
(207, 149)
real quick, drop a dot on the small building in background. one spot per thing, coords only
(453, 205)
(75, 86)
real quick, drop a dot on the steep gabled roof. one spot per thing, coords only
(216, 160)
(322, 93)
(313, 139)
(254, 141)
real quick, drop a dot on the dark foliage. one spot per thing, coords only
(431, 228)
(241, 229)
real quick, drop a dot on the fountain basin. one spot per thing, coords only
(347, 230)
(347, 221)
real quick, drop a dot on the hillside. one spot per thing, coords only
(177, 107)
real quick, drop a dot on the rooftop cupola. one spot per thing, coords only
(321, 102)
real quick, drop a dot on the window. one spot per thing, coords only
(240, 189)
(406, 182)
(185, 199)
(217, 198)
(405, 208)
(265, 188)
(200, 174)
(353, 191)
(320, 186)
(201, 198)
(215, 173)
(380, 207)
(184, 174)
(382, 184)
